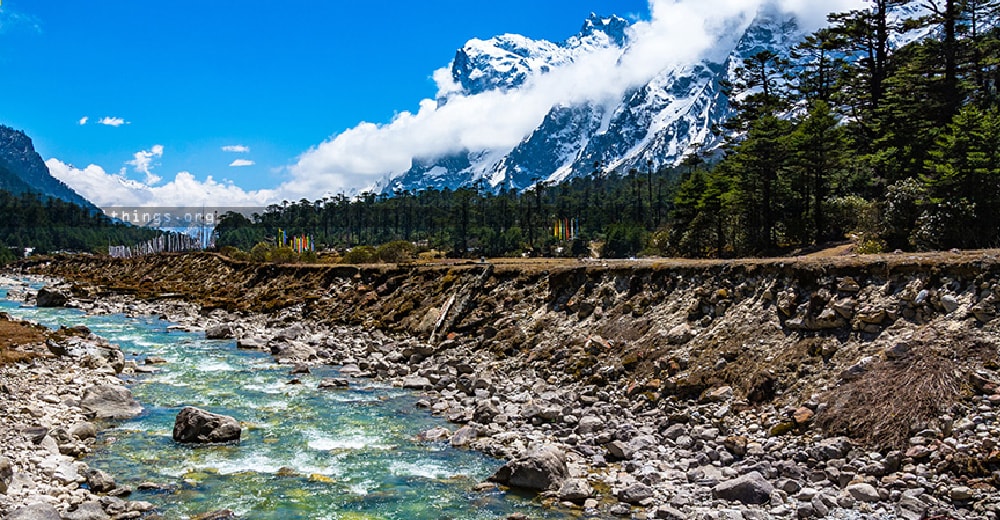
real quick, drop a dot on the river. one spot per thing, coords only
(304, 453)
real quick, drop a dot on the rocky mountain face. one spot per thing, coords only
(22, 170)
(653, 124)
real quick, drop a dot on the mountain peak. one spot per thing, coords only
(506, 61)
(613, 26)
(653, 124)
(28, 172)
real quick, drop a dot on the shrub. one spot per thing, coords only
(360, 255)
(428, 256)
(308, 257)
(283, 255)
(396, 251)
(229, 251)
(259, 252)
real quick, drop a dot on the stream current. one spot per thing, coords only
(304, 452)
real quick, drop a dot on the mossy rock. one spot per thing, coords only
(782, 428)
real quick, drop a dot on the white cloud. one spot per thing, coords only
(242, 162)
(237, 148)
(113, 121)
(142, 162)
(83, 120)
(184, 190)
(679, 32)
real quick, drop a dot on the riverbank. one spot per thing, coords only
(56, 390)
(676, 390)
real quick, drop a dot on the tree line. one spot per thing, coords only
(900, 147)
(546, 219)
(897, 148)
(47, 225)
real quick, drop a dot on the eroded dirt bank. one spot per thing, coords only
(752, 368)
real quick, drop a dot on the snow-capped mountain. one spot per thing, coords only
(653, 124)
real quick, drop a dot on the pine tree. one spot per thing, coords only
(963, 171)
(817, 148)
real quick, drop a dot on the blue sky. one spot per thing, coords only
(276, 77)
(247, 102)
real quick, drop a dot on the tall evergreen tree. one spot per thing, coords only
(817, 150)
(963, 171)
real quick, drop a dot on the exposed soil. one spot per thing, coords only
(19, 340)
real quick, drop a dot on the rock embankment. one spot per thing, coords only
(54, 388)
(762, 389)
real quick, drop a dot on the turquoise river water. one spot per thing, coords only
(304, 453)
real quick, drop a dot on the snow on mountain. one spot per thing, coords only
(652, 125)
(507, 61)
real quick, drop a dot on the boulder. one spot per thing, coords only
(680, 334)
(222, 331)
(6, 474)
(539, 469)
(863, 492)
(590, 424)
(962, 493)
(464, 436)
(434, 435)
(100, 482)
(83, 430)
(51, 297)
(751, 488)
(34, 512)
(292, 353)
(110, 402)
(194, 425)
(950, 303)
(250, 344)
(417, 383)
(575, 490)
(635, 493)
(721, 394)
(618, 450)
(87, 511)
(334, 382)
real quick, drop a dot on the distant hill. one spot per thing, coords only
(22, 170)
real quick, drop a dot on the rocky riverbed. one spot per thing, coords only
(752, 390)
(56, 388)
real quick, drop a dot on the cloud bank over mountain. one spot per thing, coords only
(678, 33)
(493, 121)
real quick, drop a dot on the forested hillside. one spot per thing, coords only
(48, 224)
(852, 137)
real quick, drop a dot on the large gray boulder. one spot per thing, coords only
(575, 490)
(110, 402)
(291, 353)
(635, 493)
(34, 512)
(194, 425)
(539, 469)
(51, 297)
(87, 511)
(223, 331)
(751, 488)
(100, 482)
